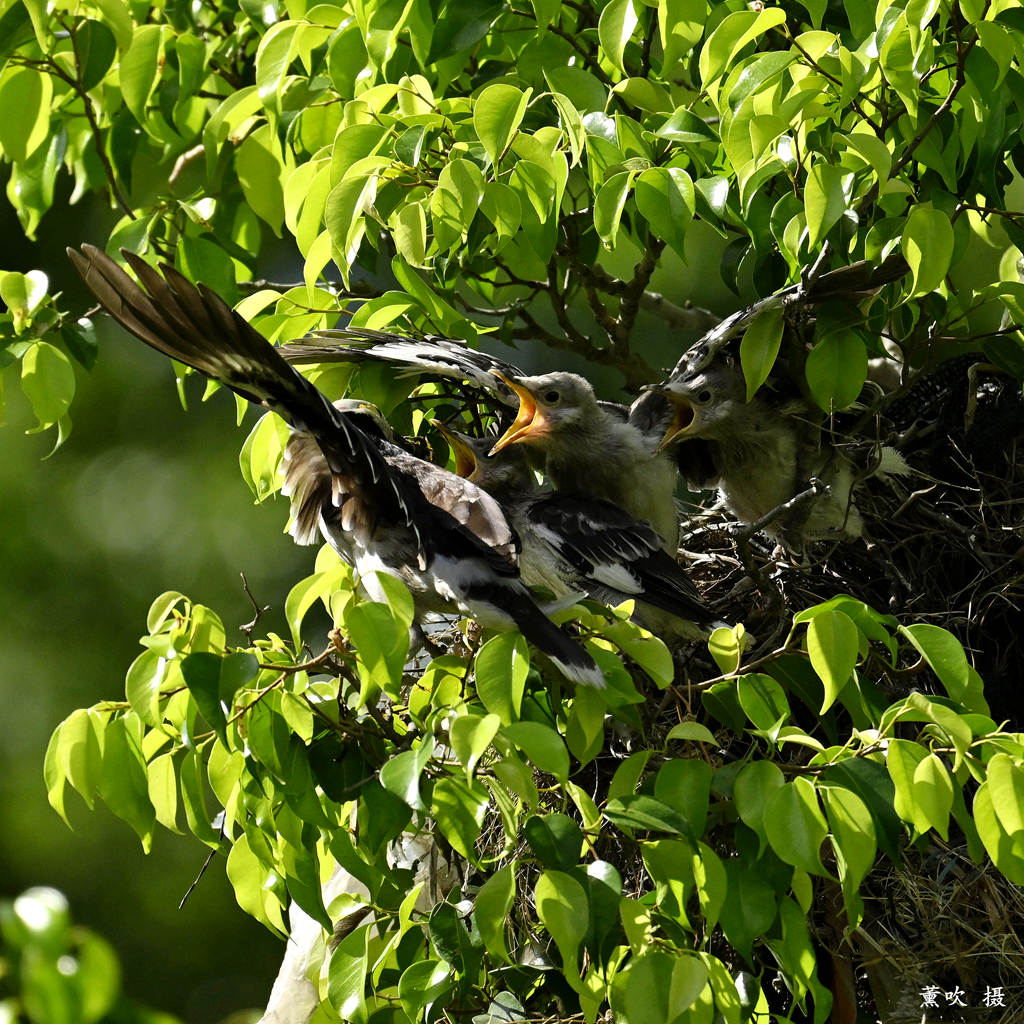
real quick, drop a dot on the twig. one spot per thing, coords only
(250, 626)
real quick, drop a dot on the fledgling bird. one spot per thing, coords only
(382, 509)
(572, 544)
(593, 451)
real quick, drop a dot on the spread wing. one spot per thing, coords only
(428, 357)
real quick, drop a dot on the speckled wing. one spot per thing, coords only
(431, 356)
(605, 546)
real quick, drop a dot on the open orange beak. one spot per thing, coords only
(684, 418)
(530, 421)
(466, 464)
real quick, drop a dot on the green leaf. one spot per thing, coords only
(471, 736)
(660, 988)
(501, 666)
(494, 900)
(561, 904)
(459, 809)
(733, 33)
(409, 229)
(213, 681)
(754, 784)
(616, 26)
(501, 206)
(763, 701)
(25, 98)
(253, 886)
(1006, 789)
(684, 784)
(648, 814)
(142, 685)
(346, 974)
(795, 826)
(759, 346)
(261, 172)
(556, 840)
(381, 640)
(123, 784)
(75, 755)
(750, 907)
(542, 745)
(1006, 851)
(572, 125)
(944, 655)
(139, 69)
(853, 836)
(933, 793)
(832, 644)
(758, 72)
(901, 759)
(666, 198)
(401, 774)
(836, 369)
(421, 984)
(497, 114)
(825, 200)
(608, 206)
(306, 592)
(692, 731)
(48, 380)
(680, 25)
(928, 247)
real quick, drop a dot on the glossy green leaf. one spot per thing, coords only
(661, 988)
(759, 346)
(833, 641)
(139, 69)
(666, 198)
(616, 26)
(1006, 851)
(825, 200)
(1006, 790)
(933, 793)
(836, 369)
(733, 33)
(493, 902)
(502, 665)
(943, 653)
(459, 809)
(402, 773)
(471, 736)
(123, 783)
(795, 826)
(25, 98)
(754, 784)
(542, 745)
(48, 380)
(497, 114)
(928, 247)
(609, 204)
(555, 839)
(562, 908)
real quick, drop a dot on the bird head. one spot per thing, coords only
(549, 404)
(702, 404)
(367, 416)
(497, 474)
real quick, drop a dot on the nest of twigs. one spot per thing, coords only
(937, 927)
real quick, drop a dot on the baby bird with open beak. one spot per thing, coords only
(592, 450)
(573, 544)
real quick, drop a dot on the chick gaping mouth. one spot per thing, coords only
(684, 420)
(530, 421)
(466, 464)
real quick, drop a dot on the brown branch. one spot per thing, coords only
(630, 303)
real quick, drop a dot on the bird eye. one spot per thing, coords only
(704, 397)
(552, 397)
